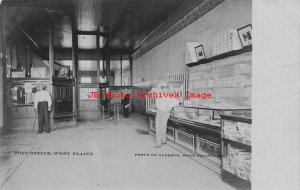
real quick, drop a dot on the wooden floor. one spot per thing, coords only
(97, 156)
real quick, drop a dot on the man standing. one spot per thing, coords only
(42, 104)
(164, 106)
(125, 104)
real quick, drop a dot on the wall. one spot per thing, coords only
(231, 14)
(37, 61)
(20, 55)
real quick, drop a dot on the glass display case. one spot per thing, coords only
(208, 115)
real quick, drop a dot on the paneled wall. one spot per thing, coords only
(229, 81)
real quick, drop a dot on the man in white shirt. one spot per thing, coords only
(164, 106)
(42, 104)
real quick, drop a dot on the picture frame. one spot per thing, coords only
(64, 71)
(200, 52)
(245, 35)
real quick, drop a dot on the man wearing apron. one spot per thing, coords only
(42, 104)
(164, 106)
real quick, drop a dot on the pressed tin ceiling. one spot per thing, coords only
(128, 22)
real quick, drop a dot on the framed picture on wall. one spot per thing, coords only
(245, 35)
(64, 71)
(200, 52)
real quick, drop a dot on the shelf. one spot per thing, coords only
(222, 56)
(240, 171)
(61, 79)
(91, 85)
(237, 118)
(63, 82)
(236, 142)
(64, 102)
(197, 125)
(236, 176)
(218, 109)
(27, 79)
(19, 105)
(118, 87)
(25, 117)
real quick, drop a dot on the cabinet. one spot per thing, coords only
(236, 147)
(21, 102)
(20, 111)
(198, 130)
(63, 101)
(63, 96)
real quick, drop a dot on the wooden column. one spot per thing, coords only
(2, 66)
(51, 65)
(121, 70)
(130, 67)
(103, 56)
(98, 57)
(98, 70)
(75, 68)
(108, 63)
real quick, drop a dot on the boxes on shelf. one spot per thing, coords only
(38, 72)
(242, 68)
(226, 92)
(226, 41)
(225, 71)
(238, 162)
(237, 131)
(17, 73)
(242, 174)
(226, 166)
(239, 81)
(210, 83)
(226, 82)
(190, 53)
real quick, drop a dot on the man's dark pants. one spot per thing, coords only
(43, 116)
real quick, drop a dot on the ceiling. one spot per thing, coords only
(128, 22)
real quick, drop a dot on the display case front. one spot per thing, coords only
(208, 115)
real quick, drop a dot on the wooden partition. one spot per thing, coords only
(87, 107)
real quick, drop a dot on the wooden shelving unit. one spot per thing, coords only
(21, 114)
(222, 56)
(236, 150)
(186, 135)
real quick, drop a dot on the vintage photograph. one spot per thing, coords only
(119, 94)
(245, 34)
(200, 52)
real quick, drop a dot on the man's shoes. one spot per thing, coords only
(39, 132)
(157, 146)
(47, 131)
